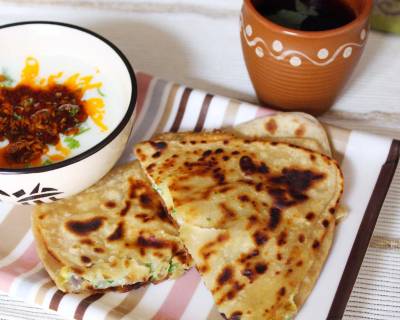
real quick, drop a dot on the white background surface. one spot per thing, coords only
(197, 43)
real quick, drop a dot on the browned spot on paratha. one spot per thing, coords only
(290, 187)
(225, 276)
(98, 250)
(118, 233)
(84, 227)
(316, 244)
(227, 212)
(86, 259)
(310, 216)
(275, 218)
(110, 204)
(159, 145)
(325, 223)
(248, 166)
(300, 131)
(125, 209)
(271, 126)
(260, 238)
(87, 241)
(282, 238)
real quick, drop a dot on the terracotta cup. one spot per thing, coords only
(301, 70)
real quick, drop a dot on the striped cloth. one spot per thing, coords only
(376, 294)
(165, 106)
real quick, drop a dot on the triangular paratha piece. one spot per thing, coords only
(302, 130)
(294, 128)
(249, 214)
(116, 234)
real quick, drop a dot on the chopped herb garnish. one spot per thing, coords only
(27, 102)
(150, 266)
(82, 130)
(47, 162)
(100, 92)
(174, 211)
(153, 276)
(72, 143)
(73, 110)
(208, 219)
(17, 116)
(172, 267)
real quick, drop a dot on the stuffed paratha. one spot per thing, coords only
(249, 214)
(114, 234)
(295, 128)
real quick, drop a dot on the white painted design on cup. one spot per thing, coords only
(323, 53)
(249, 30)
(296, 57)
(347, 52)
(259, 52)
(277, 46)
(295, 61)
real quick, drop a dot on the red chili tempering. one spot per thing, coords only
(33, 118)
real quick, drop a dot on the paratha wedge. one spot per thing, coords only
(303, 130)
(115, 234)
(294, 128)
(249, 213)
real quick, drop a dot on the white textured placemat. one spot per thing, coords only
(376, 294)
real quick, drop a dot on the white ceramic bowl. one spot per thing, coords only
(60, 42)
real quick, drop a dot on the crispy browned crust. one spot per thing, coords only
(51, 263)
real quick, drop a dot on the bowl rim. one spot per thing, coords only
(117, 130)
(359, 20)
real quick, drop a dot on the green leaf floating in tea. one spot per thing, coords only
(307, 15)
(293, 18)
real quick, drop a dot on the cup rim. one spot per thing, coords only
(117, 130)
(364, 14)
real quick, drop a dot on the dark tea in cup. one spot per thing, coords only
(307, 15)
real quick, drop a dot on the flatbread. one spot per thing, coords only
(114, 234)
(249, 214)
(303, 130)
(294, 128)
(288, 127)
(218, 135)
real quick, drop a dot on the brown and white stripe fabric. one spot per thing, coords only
(165, 106)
